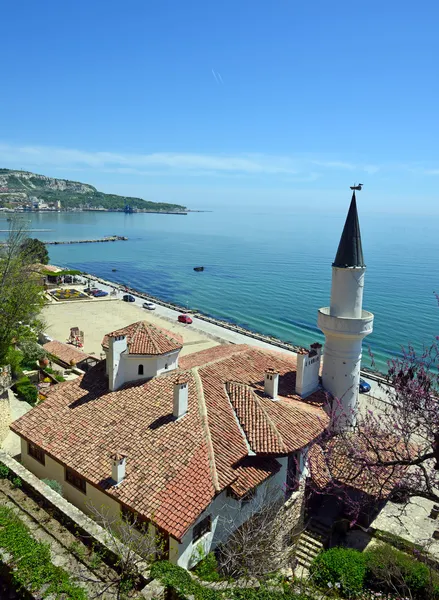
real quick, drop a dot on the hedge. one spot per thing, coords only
(26, 390)
(341, 568)
(180, 580)
(390, 569)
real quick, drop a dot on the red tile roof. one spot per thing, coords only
(337, 464)
(252, 471)
(66, 352)
(175, 468)
(146, 338)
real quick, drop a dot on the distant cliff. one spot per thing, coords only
(21, 186)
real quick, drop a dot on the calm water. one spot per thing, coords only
(267, 271)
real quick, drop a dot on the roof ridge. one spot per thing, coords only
(147, 329)
(205, 425)
(241, 428)
(269, 420)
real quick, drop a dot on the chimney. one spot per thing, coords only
(118, 464)
(116, 346)
(180, 397)
(308, 369)
(271, 383)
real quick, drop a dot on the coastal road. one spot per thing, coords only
(210, 329)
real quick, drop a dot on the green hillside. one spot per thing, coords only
(20, 186)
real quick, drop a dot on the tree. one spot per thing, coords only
(21, 292)
(262, 544)
(133, 545)
(394, 448)
(34, 251)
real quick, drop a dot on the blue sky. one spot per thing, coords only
(235, 102)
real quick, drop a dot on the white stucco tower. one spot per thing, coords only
(345, 324)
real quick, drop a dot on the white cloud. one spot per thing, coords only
(31, 157)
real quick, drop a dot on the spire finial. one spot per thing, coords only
(350, 250)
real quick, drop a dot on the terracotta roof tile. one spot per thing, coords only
(66, 352)
(146, 338)
(252, 471)
(336, 464)
(175, 468)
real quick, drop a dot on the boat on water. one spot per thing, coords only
(114, 270)
(198, 268)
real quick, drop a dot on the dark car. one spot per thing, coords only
(128, 298)
(364, 387)
(99, 293)
(185, 319)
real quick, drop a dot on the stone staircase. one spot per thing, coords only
(310, 543)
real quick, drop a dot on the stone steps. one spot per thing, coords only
(310, 543)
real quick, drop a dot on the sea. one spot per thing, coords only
(267, 270)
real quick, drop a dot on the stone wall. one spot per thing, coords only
(70, 514)
(5, 378)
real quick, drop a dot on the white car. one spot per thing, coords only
(148, 306)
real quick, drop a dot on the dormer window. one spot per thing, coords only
(140, 370)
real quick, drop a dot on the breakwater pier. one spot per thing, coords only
(109, 238)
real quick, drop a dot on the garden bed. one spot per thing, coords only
(68, 294)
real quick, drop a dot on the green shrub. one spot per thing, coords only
(390, 569)
(26, 390)
(340, 567)
(14, 358)
(179, 579)
(207, 568)
(60, 378)
(16, 482)
(33, 565)
(54, 485)
(31, 352)
(4, 471)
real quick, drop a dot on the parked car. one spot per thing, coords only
(149, 305)
(128, 298)
(90, 290)
(99, 293)
(364, 387)
(185, 319)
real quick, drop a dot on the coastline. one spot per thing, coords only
(271, 341)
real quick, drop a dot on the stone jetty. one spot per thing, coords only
(109, 238)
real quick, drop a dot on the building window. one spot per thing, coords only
(76, 480)
(202, 528)
(132, 517)
(140, 370)
(36, 453)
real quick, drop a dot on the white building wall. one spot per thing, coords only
(152, 365)
(347, 292)
(54, 470)
(116, 347)
(224, 509)
(127, 366)
(307, 373)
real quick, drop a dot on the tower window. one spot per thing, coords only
(140, 370)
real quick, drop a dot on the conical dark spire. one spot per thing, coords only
(350, 251)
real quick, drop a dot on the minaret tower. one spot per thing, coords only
(345, 324)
